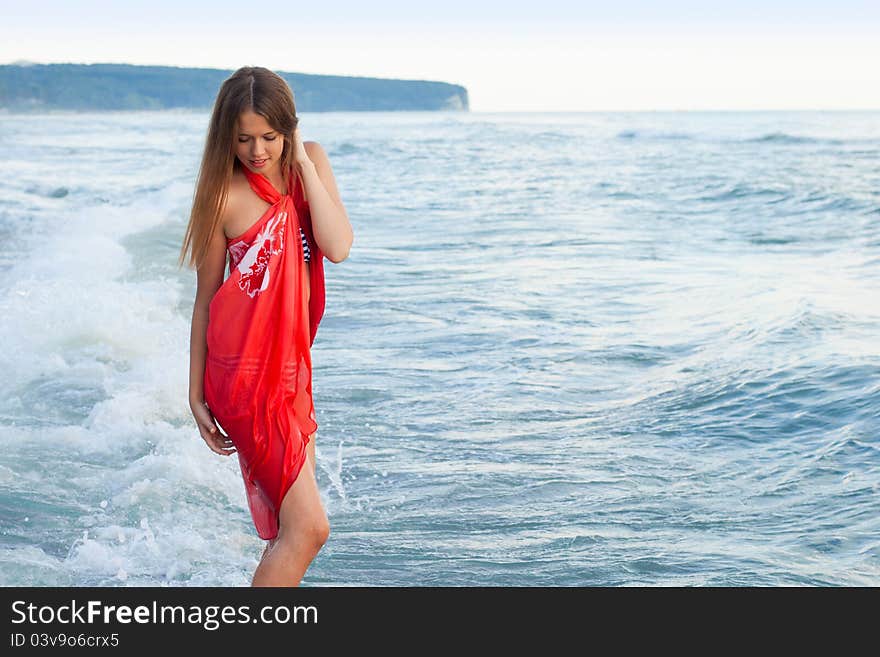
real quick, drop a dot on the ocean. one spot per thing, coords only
(573, 349)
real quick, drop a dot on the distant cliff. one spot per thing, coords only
(26, 86)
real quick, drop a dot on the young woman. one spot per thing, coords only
(269, 201)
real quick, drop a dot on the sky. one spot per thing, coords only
(513, 56)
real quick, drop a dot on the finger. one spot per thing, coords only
(222, 451)
(222, 444)
(213, 430)
(210, 438)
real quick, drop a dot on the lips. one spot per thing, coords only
(258, 163)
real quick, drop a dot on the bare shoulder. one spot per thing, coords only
(316, 153)
(309, 145)
(234, 196)
(237, 184)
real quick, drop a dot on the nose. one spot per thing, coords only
(258, 150)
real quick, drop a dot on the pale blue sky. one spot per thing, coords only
(512, 56)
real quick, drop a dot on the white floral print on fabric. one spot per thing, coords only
(236, 251)
(252, 260)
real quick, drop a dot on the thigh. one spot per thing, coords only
(301, 509)
(311, 449)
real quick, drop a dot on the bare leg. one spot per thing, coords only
(269, 545)
(311, 450)
(303, 530)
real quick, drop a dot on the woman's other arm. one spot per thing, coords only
(330, 222)
(210, 278)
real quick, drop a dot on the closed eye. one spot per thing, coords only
(267, 138)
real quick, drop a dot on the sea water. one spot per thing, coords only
(566, 349)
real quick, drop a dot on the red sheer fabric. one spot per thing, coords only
(258, 370)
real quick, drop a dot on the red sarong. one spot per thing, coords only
(258, 370)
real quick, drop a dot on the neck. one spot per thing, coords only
(282, 181)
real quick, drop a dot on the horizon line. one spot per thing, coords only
(26, 62)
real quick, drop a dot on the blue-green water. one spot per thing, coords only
(566, 349)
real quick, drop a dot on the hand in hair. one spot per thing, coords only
(299, 151)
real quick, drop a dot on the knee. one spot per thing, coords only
(315, 534)
(321, 532)
(310, 535)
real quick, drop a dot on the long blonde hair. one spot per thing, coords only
(251, 88)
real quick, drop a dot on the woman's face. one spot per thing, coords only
(258, 145)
